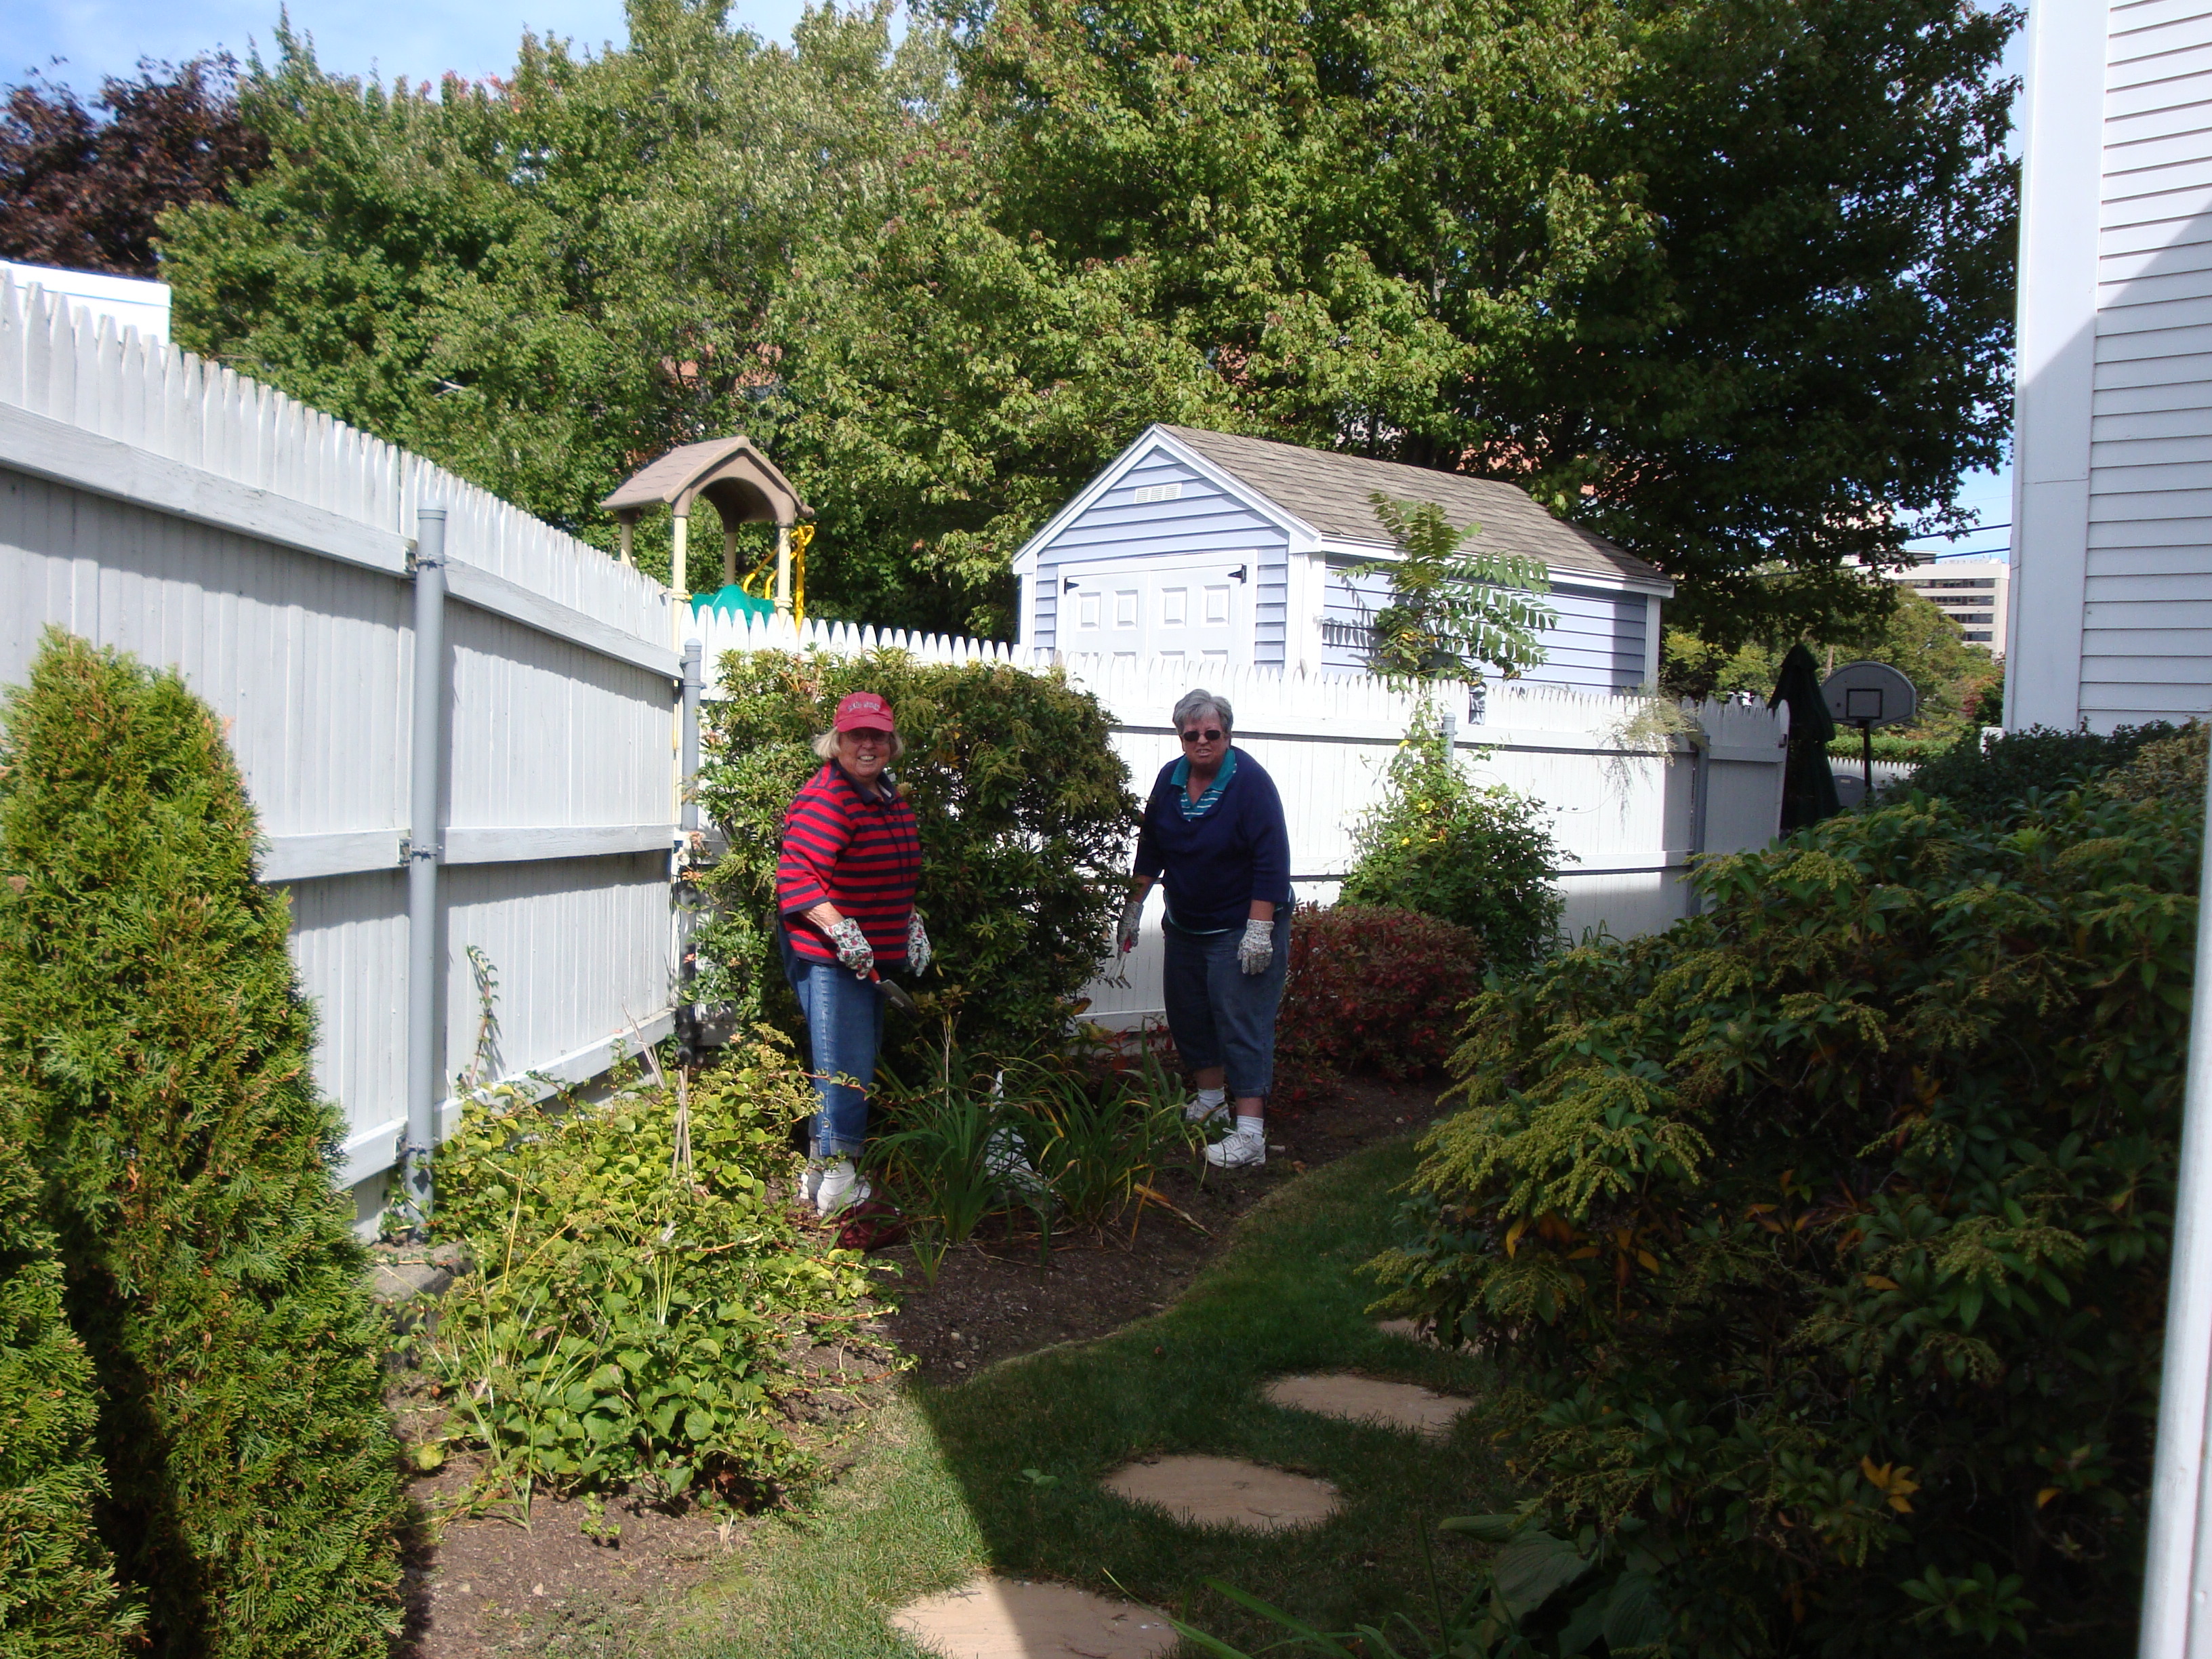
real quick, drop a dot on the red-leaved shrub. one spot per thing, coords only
(1371, 986)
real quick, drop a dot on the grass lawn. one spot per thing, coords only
(940, 1488)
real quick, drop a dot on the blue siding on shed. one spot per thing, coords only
(1203, 521)
(1596, 644)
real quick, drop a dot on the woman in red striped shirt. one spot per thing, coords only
(851, 857)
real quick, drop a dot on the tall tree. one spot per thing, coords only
(83, 188)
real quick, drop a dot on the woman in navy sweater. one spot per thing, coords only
(1213, 827)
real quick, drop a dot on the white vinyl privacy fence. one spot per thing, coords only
(1629, 805)
(152, 501)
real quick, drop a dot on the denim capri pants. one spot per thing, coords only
(1219, 1014)
(844, 1031)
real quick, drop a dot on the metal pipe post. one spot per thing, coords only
(2177, 1606)
(424, 849)
(687, 891)
(693, 651)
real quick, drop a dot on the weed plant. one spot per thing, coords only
(626, 1325)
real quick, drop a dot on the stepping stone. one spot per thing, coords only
(989, 1618)
(1225, 1491)
(1363, 1400)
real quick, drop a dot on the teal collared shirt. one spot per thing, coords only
(1204, 804)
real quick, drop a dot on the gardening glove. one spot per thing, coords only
(852, 946)
(1257, 948)
(1124, 931)
(918, 953)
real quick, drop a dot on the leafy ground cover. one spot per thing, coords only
(1003, 1471)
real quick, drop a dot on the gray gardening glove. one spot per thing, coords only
(1124, 931)
(1257, 948)
(852, 945)
(918, 953)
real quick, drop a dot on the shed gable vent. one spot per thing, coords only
(1166, 492)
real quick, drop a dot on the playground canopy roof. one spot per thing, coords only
(743, 484)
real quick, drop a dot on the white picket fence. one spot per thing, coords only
(1628, 813)
(159, 503)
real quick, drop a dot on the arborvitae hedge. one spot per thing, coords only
(154, 1058)
(59, 1599)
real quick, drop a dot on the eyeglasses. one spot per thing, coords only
(867, 735)
(1212, 734)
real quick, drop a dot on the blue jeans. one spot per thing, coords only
(844, 1029)
(1219, 1014)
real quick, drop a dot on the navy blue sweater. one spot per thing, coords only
(1216, 866)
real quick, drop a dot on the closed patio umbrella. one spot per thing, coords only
(1808, 784)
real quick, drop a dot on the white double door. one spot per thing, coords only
(1201, 612)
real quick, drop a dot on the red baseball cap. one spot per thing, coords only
(864, 711)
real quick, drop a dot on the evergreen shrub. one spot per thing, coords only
(1992, 783)
(155, 1063)
(1026, 822)
(1825, 1234)
(1478, 857)
(636, 1289)
(58, 1598)
(1371, 986)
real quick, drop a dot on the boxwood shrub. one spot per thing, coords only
(154, 1064)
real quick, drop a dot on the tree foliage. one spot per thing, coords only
(1025, 815)
(155, 1064)
(1826, 1233)
(1454, 610)
(1728, 280)
(85, 188)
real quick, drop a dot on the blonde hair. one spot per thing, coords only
(826, 745)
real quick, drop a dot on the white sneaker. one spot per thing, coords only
(841, 1189)
(810, 1182)
(1195, 1110)
(1240, 1149)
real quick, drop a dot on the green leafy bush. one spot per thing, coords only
(1371, 985)
(154, 1062)
(1990, 783)
(1025, 815)
(58, 1598)
(1482, 858)
(1826, 1231)
(626, 1323)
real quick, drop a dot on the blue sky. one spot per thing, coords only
(423, 39)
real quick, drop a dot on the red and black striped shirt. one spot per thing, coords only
(864, 856)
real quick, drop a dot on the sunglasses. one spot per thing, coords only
(867, 734)
(1212, 734)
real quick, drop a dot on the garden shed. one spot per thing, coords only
(1247, 553)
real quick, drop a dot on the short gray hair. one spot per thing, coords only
(1195, 703)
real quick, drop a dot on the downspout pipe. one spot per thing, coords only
(2177, 1605)
(425, 849)
(1701, 795)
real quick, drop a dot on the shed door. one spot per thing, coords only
(1201, 612)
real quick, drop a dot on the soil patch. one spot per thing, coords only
(514, 1578)
(1225, 1491)
(1002, 1296)
(990, 1618)
(1364, 1399)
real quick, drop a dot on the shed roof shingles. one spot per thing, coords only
(1329, 491)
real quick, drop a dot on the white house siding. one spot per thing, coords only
(1598, 643)
(1201, 520)
(2112, 610)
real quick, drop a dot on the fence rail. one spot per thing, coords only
(153, 502)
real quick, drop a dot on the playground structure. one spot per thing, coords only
(746, 487)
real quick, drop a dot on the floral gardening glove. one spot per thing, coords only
(1125, 930)
(1257, 948)
(852, 945)
(918, 953)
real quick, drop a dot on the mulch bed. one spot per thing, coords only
(502, 1583)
